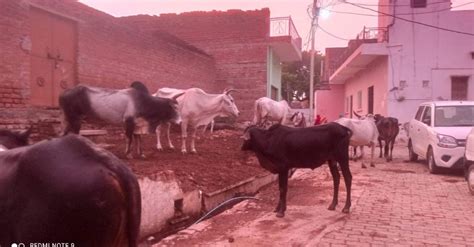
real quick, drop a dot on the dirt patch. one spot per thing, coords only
(218, 163)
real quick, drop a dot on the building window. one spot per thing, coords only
(418, 3)
(459, 87)
(359, 100)
(426, 83)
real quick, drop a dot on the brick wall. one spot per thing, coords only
(108, 55)
(238, 40)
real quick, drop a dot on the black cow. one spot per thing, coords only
(67, 190)
(10, 139)
(281, 148)
(130, 107)
(388, 128)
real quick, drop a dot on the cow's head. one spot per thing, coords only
(167, 112)
(228, 104)
(10, 139)
(367, 116)
(298, 119)
(247, 137)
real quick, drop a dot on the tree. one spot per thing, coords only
(295, 77)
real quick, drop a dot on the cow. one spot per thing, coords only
(388, 128)
(281, 148)
(66, 190)
(298, 120)
(365, 133)
(129, 107)
(197, 108)
(10, 139)
(267, 110)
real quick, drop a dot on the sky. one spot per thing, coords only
(343, 26)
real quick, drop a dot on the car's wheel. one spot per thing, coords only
(411, 154)
(431, 162)
(470, 179)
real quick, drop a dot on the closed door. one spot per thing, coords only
(53, 57)
(370, 97)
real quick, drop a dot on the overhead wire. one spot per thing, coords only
(412, 21)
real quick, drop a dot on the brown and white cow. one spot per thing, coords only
(267, 110)
(365, 133)
(197, 108)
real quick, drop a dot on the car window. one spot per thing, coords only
(418, 113)
(427, 116)
(449, 116)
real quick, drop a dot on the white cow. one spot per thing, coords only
(268, 110)
(197, 108)
(364, 133)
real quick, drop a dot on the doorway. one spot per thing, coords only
(53, 56)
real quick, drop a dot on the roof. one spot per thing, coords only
(449, 103)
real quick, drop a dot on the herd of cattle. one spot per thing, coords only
(69, 190)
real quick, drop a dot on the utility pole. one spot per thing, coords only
(314, 24)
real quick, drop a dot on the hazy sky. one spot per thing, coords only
(345, 26)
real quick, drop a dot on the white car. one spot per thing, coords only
(469, 161)
(438, 132)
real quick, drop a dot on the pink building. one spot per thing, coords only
(425, 52)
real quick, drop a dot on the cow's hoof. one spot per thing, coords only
(345, 210)
(159, 148)
(363, 165)
(280, 214)
(142, 156)
(194, 152)
(332, 207)
(184, 152)
(129, 156)
(171, 147)
(372, 164)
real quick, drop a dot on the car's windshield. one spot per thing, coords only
(450, 116)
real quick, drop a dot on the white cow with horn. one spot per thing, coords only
(364, 133)
(196, 108)
(268, 110)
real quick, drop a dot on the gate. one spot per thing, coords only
(53, 56)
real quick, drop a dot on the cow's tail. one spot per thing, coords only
(74, 104)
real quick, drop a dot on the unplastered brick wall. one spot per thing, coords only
(237, 40)
(109, 54)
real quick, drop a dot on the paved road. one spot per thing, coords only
(396, 204)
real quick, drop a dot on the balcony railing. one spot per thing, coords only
(283, 26)
(367, 35)
(379, 33)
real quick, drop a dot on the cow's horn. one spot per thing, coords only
(176, 96)
(228, 91)
(357, 115)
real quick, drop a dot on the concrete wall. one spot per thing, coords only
(420, 53)
(274, 74)
(330, 103)
(375, 75)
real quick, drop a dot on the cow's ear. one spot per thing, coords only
(25, 134)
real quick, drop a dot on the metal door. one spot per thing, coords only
(53, 57)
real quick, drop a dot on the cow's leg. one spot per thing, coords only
(168, 130)
(362, 156)
(392, 142)
(335, 178)
(184, 135)
(129, 128)
(380, 145)
(372, 148)
(346, 173)
(158, 134)
(283, 186)
(193, 137)
(138, 143)
(386, 148)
